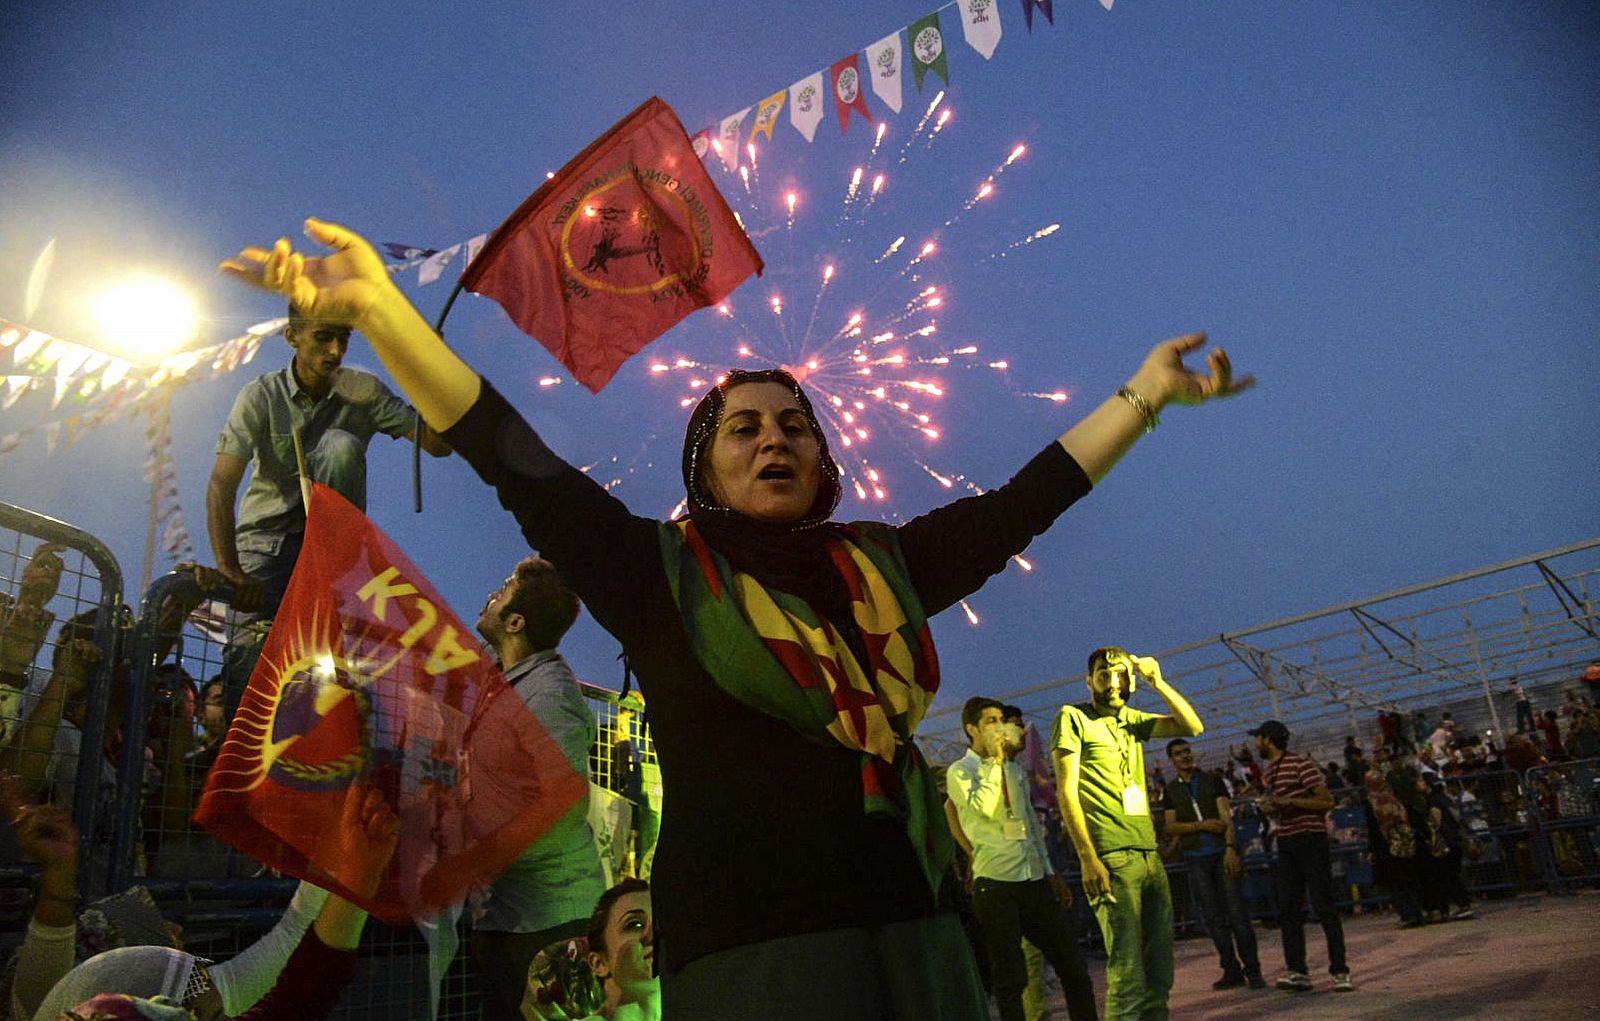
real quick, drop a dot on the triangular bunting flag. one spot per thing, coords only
(767, 114)
(474, 246)
(847, 95)
(1043, 5)
(927, 49)
(701, 142)
(433, 266)
(728, 134)
(980, 23)
(885, 62)
(805, 105)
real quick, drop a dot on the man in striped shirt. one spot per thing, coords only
(1298, 802)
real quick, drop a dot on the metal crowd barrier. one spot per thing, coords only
(224, 900)
(90, 585)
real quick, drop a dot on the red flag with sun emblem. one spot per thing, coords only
(367, 680)
(616, 248)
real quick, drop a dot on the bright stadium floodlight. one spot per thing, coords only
(145, 317)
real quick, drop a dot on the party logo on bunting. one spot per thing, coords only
(701, 142)
(980, 23)
(847, 94)
(728, 139)
(767, 114)
(885, 61)
(927, 49)
(805, 105)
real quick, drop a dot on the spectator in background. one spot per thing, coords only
(24, 622)
(1591, 680)
(1583, 740)
(1393, 843)
(618, 956)
(1549, 725)
(1197, 811)
(1331, 776)
(1524, 706)
(1016, 892)
(1298, 803)
(1445, 852)
(1443, 739)
(1571, 704)
(627, 775)
(546, 895)
(310, 982)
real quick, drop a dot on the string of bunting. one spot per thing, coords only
(103, 384)
(921, 44)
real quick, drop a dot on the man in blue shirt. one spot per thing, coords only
(1197, 810)
(335, 411)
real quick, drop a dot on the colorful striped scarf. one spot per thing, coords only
(771, 651)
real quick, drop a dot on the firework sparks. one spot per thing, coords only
(1038, 235)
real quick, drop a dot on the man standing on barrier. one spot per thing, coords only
(1197, 811)
(1016, 893)
(1298, 803)
(1100, 773)
(548, 893)
(330, 413)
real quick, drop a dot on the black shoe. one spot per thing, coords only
(1229, 980)
(1255, 981)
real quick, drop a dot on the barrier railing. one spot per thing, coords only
(218, 895)
(90, 590)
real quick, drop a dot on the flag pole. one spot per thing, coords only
(300, 463)
(416, 433)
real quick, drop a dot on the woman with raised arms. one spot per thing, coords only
(802, 865)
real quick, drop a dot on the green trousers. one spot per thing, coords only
(1137, 928)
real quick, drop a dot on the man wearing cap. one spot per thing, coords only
(256, 548)
(1298, 802)
(1100, 777)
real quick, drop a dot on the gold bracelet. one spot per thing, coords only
(1142, 406)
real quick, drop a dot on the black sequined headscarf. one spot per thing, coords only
(790, 556)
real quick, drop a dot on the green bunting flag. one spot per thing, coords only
(927, 48)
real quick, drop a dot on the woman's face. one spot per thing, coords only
(764, 460)
(630, 943)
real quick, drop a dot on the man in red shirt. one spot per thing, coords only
(1298, 801)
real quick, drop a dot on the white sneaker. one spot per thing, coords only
(1342, 983)
(1295, 982)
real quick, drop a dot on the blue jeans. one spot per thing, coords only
(1227, 922)
(1138, 934)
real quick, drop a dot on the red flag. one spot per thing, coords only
(623, 242)
(847, 94)
(367, 680)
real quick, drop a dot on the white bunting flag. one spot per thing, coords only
(728, 135)
(805, 105)
(433, 266)
(885, 65)
(980, 23)
(474, 246)
(1107, 3)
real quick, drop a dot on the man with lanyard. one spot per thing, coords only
(1197, 811)
(1100, 774)
(1015, 891)
(1298, 802)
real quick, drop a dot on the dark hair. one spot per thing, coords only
(545, 602)
(1103, 656)
(1008, 711)
(1176, 742)
(602, 910)
(973, 710)
(78, 626)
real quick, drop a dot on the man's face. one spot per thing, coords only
(212, 710)
(318, 352)
(491, 619)
(984, 735)
(1183, 758)
(1263, 746)
(1111, 684)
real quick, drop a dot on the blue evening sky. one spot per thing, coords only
(1379, 209)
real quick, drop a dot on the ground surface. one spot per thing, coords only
(1532, 959)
